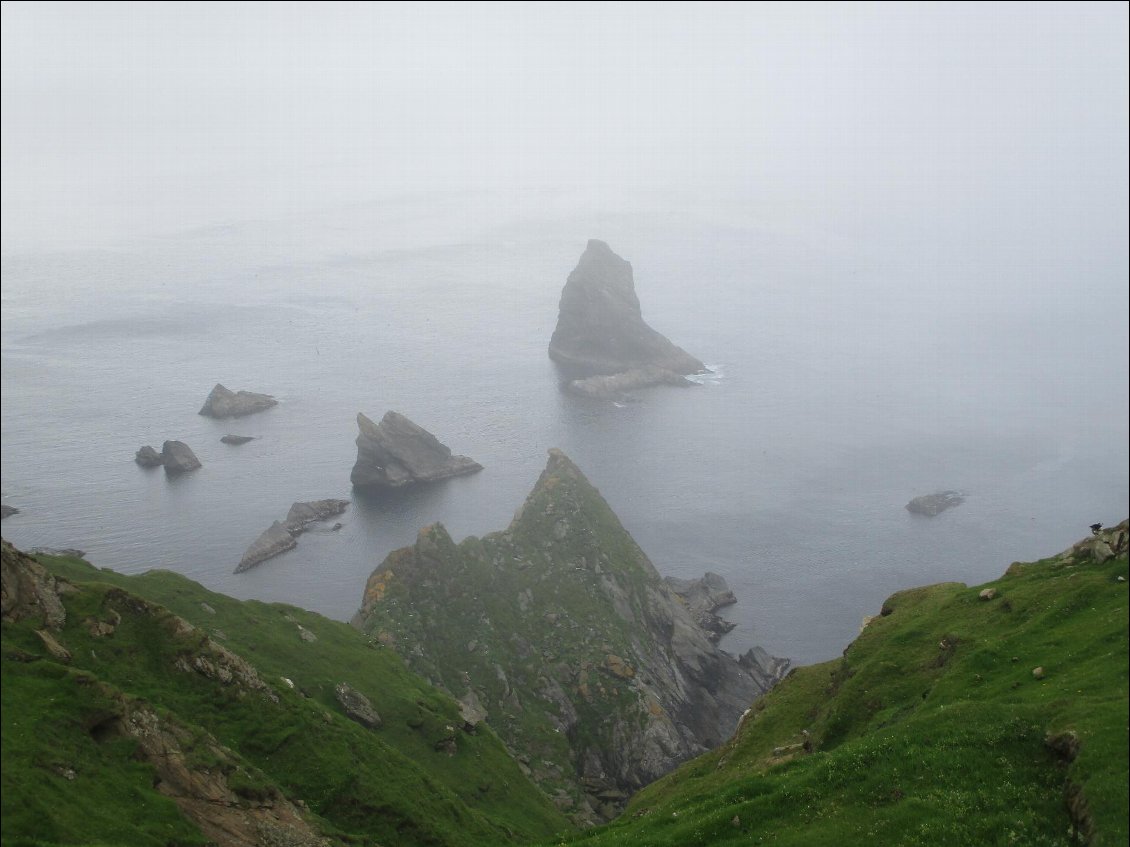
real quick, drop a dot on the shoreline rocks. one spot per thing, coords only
(600, 327)
(931, 505)
(616, 386)
(703, 598)
(280, 536)
(397, 452)
(225, 403)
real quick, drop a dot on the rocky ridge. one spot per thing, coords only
(397, 452)
(562, 633)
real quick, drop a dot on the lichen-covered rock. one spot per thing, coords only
(398, 452)
(148, 457)
(224, 403)
(600, 328)
(357, 706)
(934, 504)
(605, 678)
(178, 457)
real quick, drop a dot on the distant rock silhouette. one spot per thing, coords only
(223, 403)
(148, 457)
(178, 457)
(236, 440)
(934, 504)
(600, 328)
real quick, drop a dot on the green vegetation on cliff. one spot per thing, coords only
(959, 716)
(243, 696)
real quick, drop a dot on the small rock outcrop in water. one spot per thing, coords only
(560, 629)
(704, 597)
(7, 511)
(177, 457)
(148, 457)
(224, 403)
(601, 331)
(280, 537)
(934, 504)
(398, 452)
(237, 439)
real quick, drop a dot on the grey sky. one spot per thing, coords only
(906, 120)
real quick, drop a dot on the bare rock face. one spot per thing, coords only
(398, 452)
(600, 329)
(583, 657)
(28, 591)
(934, 504)
(148, 457)
(357, 706)
(224, 403)
(280, 537)
(275, 540)
(177, 457)
(704, 597)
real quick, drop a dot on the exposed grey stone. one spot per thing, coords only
(934, 504)
(224, 403)
(600, 328)
(148, 457)
(357, 706)
(398, 452)
(275, 540)
(765, 669)
(302, 514)
(178, 457)
(236, 440)
(704, 597)
(7, 511)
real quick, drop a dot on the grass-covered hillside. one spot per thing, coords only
(995, 714)
(159, 713)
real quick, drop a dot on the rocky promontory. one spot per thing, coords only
(398, 452)
(280, 536)
(562, 633)
(225, 403)
(601, 331)
(934, 504)
(704, 597)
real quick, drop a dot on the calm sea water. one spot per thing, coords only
(844, 385)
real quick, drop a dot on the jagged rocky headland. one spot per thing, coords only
(602, 340)
(225, 403)
(397, 452)
(561, 632)
(280, 536)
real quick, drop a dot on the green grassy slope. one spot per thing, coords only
(931, 730)
(399, 784)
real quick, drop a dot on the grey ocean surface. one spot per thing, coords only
(841, 390)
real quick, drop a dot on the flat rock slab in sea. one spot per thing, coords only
(934, 504)
(224, 403)
(7, 511)
(398, 452)
(237, 439)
